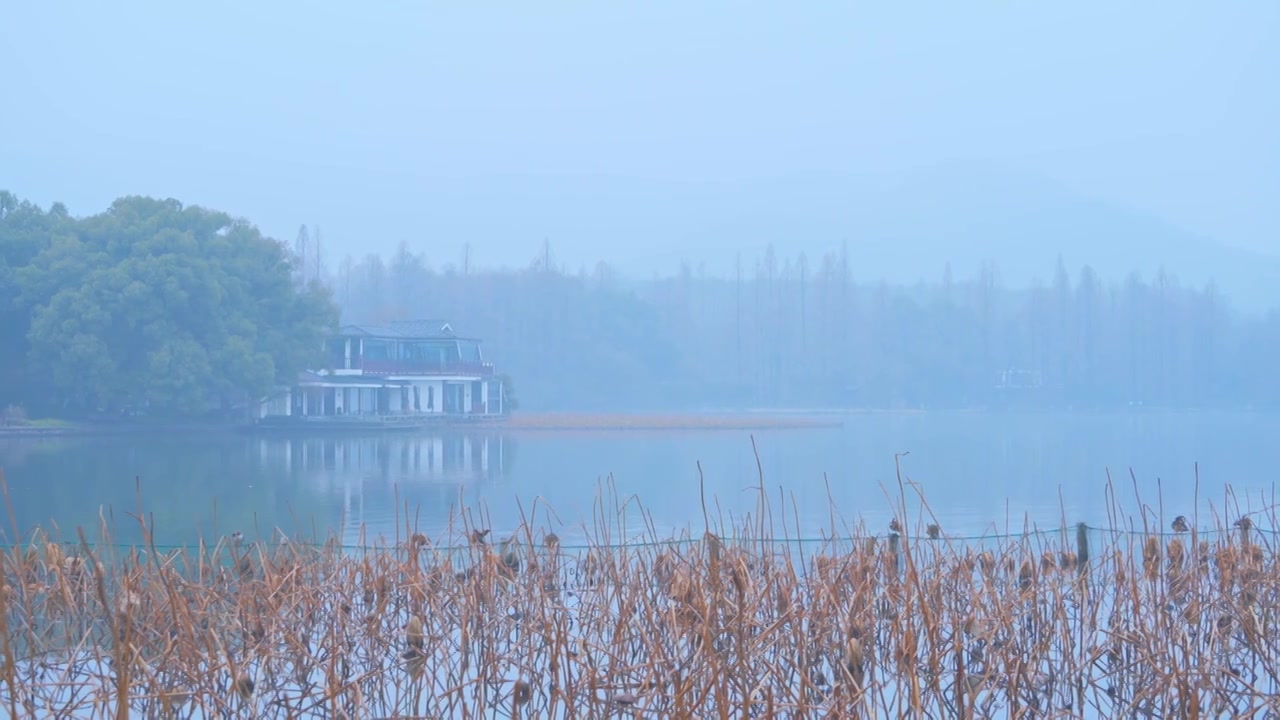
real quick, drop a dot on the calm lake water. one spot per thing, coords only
(981, 474)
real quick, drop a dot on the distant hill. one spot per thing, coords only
(901, 230)
(908, 231)
(1024, 225)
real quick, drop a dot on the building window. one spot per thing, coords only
(377, 350)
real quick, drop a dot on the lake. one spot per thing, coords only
(981, 474)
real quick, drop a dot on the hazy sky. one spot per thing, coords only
(636, 132)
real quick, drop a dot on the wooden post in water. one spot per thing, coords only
(1082, 549)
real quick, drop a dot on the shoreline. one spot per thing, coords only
(523, 422)
(99, 429)
(657, 422)
(761, 419)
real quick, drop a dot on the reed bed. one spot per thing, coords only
(650, 422)
(737, 621)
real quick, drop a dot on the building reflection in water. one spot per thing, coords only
(431, 473)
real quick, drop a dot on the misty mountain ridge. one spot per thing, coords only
(1024, 226)
(908, 232)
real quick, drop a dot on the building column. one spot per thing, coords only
(484, 396)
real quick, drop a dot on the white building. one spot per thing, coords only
(406, 372)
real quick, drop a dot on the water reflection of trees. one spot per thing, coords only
(185, 487)
(202, 487)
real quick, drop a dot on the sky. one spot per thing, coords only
(643, 134)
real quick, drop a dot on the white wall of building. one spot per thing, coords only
(351, 399)
(433, 390)
(430, 393)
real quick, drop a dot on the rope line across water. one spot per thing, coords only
(1026, 535)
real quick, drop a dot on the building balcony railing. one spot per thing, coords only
(422, 367)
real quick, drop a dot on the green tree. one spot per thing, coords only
(178, 310)
(25, 233)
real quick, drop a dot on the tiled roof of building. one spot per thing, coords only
(422, 328)
(410, 329)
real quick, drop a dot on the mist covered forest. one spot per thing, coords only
(180, 310)
(790, 332)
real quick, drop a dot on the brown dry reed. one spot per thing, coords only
(741, 622)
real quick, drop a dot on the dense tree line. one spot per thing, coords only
(788, 332)
(149, 307)
(178, 310)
